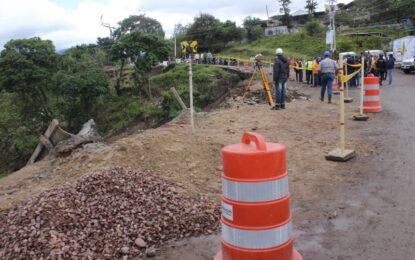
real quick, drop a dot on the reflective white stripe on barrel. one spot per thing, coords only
(371, 87)
(257, 239)
(255, 191)
(371, 98)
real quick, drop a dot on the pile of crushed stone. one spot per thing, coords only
(116, 213)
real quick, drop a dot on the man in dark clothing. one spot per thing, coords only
(381, 68)
(281, 74)
(390, 65)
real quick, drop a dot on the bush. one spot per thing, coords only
(314, 28)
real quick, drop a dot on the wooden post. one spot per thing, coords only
(178, 98)
(341, 154)
(342, 130)
(40, 146)
(362, 85)
(192, 123)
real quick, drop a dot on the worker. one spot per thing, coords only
(316, 77)
(328, 70)
(309, 72)
(281, 74)
(381, 68)
(299, 71)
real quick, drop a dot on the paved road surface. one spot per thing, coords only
(373, 215)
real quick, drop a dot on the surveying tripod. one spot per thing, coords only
(259, 68)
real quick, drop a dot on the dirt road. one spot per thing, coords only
(362, 209)
(373, 212)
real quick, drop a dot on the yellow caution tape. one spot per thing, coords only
(354, 65)
(345, 78)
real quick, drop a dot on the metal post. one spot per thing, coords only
(192, 123)
(347, 82)
(175, 47)
(334, 29)
(362, 85)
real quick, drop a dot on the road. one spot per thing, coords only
(371, 215)
(365, 210)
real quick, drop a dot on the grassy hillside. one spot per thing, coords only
(302, 45)
(296, 45)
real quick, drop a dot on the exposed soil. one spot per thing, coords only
(353, 210)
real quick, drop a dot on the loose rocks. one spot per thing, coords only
(105, 215)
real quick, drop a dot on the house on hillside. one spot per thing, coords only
(298, 19)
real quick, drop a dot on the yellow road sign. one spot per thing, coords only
(189, 46)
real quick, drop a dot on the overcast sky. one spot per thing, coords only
(71, 22)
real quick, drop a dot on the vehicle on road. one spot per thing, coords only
(345, 55)
(404, 53)
(376, 53)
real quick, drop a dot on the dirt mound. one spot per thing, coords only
(105, 215)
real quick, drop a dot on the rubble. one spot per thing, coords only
(104, 215)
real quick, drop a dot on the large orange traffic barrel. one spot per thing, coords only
(256, 218)
(371, 98)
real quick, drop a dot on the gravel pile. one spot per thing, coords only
(107, 215)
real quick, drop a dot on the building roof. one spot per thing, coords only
(299, 13)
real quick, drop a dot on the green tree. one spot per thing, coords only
(311, 6)
(78, 83)
(26, 68)
(285, 10)
(140, 22)
(228, 32)
(205, 29)
(314, 28)
(145, 50)
(253, 28)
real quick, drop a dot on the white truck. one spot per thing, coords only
(404, 53)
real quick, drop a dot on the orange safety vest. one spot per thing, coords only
(315, 68)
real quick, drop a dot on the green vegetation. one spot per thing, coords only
(297, 45)
(205, 82)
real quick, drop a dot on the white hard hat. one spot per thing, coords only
(278, 51)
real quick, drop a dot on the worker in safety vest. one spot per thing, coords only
(328, 70)
(298, 71)
(309, 72)
(316, 77)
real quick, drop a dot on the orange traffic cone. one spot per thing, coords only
(256, 218)
(371, 98)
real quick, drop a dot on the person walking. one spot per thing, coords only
(328, 70)
(381, 68)
(281, 74)
(390, 65)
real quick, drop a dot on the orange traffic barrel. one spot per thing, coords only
(256, 218)
(371, 98)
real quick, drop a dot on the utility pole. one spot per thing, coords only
(332, 24)
(175, 42)
(192, 122)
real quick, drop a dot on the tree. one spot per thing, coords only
(140, 22)
(285, 10)
(314, 28)
(26, 68)
(311, 6)
(78, 83)
(253, 28)
(228, 32)
(144, 49)
(205, 29)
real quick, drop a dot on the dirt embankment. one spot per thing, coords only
(308, 128)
